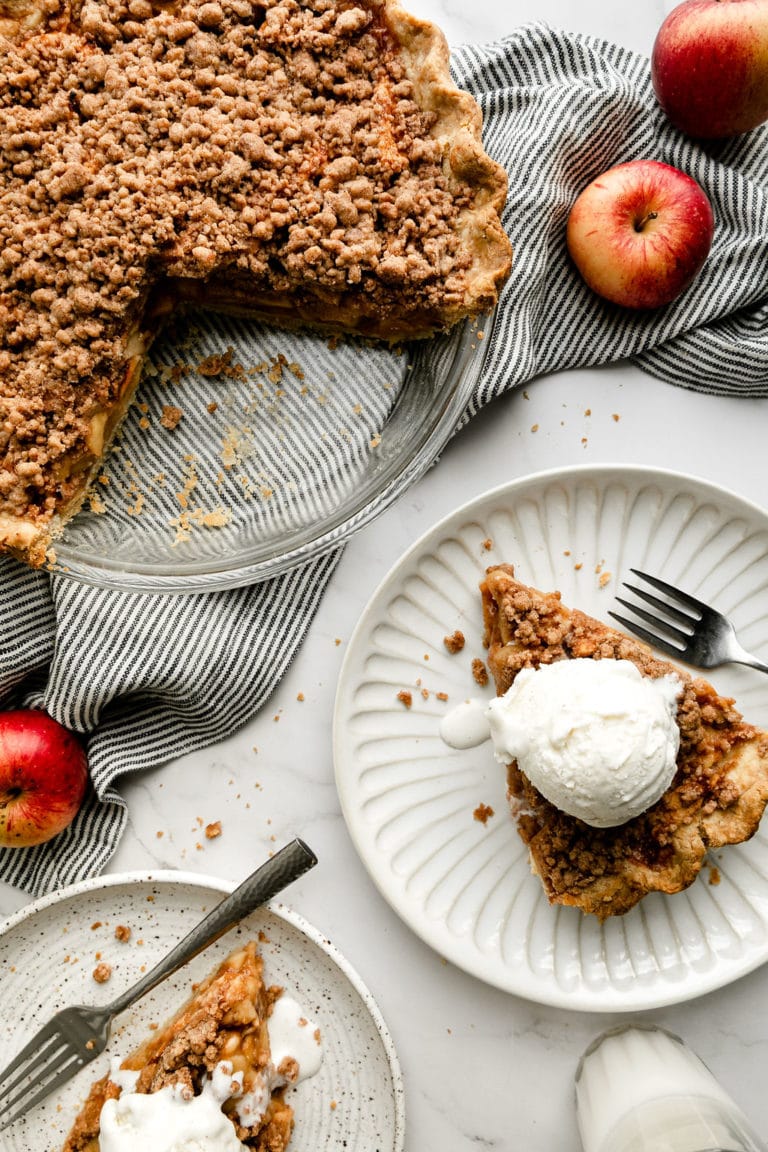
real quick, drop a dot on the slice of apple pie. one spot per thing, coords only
(719, 783)
(208, 1072)
(304, 161)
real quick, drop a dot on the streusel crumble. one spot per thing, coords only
(717, 796)
(308, 161)
(213, 1060)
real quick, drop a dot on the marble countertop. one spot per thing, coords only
(482, 1068)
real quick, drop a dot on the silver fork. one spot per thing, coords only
(77, 1035)
(687, 629)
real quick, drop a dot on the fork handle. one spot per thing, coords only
(737, 653)
(292, 861)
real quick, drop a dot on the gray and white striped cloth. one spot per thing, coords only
(150, 678)
(559, 109)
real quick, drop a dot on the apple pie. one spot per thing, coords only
(220, 1034)
(308, 162)
(717, 795)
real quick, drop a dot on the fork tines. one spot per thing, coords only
(670, 614)
(49, 1060)
(676, 594)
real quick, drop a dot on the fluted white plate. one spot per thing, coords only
(48, 952)
(465, 886)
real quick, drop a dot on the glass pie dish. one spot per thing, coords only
(249, 450)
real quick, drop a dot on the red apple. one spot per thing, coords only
(709, 66)
(640, 233)
(43, 774)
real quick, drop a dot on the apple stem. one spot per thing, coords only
(640, 224)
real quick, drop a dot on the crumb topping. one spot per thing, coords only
(102, 972)
(253, 146)
(171, 416)
(718, 793)
(455, 641)
(224, 1020)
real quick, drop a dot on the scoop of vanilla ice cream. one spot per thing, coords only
(170, 1120)
(597, 738)
(175, 1120)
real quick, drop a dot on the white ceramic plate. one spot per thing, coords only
(465, 886)
(48, 953)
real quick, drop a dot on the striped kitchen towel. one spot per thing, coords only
(558, 110)
(149, 678)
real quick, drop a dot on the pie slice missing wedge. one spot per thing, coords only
(717, 796)
(308, 162)
(217, 1044)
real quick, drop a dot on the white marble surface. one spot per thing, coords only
(483, 1069)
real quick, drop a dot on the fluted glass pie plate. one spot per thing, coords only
(356, 1099)
(418, 810)
(250, 449)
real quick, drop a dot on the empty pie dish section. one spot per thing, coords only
(249, 449)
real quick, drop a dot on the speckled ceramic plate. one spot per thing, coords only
(409, 800)
(48, 953)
